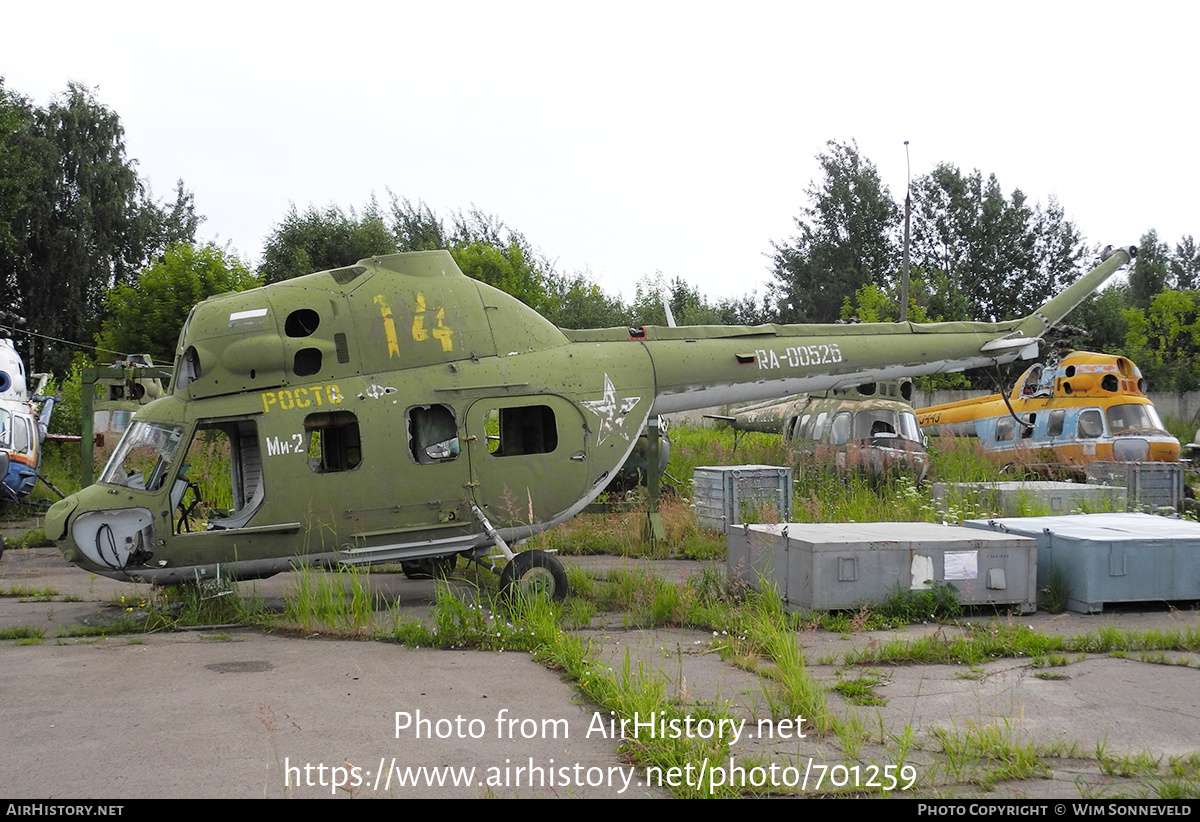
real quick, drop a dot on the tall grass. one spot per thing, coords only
(623, 534)
(332, 601)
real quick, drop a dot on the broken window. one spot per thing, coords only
(1028, 422)
(307, 362)
(333, 441)
(224, 461)
(432, 434)
(144, 455)
(301, 323)
(529, 429)
(875, 422)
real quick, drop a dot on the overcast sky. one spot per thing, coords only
(629, 138)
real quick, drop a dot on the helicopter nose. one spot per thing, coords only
(57, 517)
(111, 538)
(1131, 449)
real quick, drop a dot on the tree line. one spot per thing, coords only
(75, 219)
(90, 257)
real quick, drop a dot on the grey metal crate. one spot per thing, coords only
(828, 566)
(733, 494)
(1097, 558)
(1150, 486)
(1017, 497)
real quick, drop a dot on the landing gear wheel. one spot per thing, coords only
(432, 568)
(534, 574)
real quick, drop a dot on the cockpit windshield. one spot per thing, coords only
(1133, 417)
(877, 422)
(144, 455)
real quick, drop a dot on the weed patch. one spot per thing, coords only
(860, 691)
(22, 632)
(35, 594)
(987, 754)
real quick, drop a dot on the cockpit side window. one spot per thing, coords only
(187, 368)
(802, 427)
(224, 459)
(22, 434)
(1091, 425)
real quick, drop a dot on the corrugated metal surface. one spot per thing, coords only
(1149, 485)
(733, 494)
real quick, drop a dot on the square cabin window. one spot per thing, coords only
(432, 434)
(333, 442)
(529, 429)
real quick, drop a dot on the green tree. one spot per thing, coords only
(83, 223)
(416, 227)
(688, 305)
(506, 268)
(746, 310)
(1151, 272)
(1185, 264)
(18, 173)
(488, 250)
(1004, 255)
(1164, 340)
(146, 316)
(576, 301)
(874, 304)
(845, 239)
(482, 245)
(321, 239)
(1102, 319)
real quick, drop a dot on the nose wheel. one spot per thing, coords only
(532, 574)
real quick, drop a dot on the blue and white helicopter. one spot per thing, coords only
(24, 420)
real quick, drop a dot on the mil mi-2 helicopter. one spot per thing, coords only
(1078, 408)
(118, 399)
(396, 410)
(24, 418)
(869, 427)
